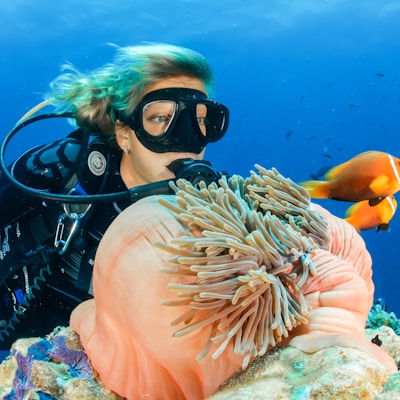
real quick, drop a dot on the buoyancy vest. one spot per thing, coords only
(34, 233)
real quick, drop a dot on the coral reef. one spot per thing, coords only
(380, 316)
(285, 373)
(55, 367)
(335, 373)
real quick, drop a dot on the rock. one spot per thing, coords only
(334, 373)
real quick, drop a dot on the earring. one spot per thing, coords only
(126, 150)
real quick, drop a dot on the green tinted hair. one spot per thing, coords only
(95, 97)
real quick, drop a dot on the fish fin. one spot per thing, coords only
(376, 201)
(317, 189)
(388, 209)
(382, 227)
(334, 172)
(352, 210)
(379, 184)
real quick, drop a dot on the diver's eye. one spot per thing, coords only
(161, 119)
(157, 116)
(156, 125)
(201, 117)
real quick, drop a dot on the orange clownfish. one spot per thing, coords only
(372, 175)
(364, 216)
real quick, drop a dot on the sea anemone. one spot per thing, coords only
(250, 260)
(191, 287)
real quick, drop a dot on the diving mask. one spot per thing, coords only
(177, 120)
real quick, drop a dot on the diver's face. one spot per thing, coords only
(139, 165)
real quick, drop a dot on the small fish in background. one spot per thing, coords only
(380, 74)
(371, 175)
(363, 216)
(288, 134)
(353, 105)
(327, 155)
(321, 172)
(301, 98)
(376, 340)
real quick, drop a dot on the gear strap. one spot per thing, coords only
(27, 244)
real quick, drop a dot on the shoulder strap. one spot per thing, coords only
(49, 166)
(94, 166)
(77, 161)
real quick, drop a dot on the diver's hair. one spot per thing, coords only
(95, 98)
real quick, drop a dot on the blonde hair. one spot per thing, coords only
(96, 97)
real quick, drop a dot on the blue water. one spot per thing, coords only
(310, 83)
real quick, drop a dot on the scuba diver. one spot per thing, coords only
(142, 120)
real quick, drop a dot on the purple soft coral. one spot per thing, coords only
(22, 381)
(52, 350)
(76, 360)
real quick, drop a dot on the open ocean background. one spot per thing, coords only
(310, 83)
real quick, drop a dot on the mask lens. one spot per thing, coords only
(157, 116)
(215, 121)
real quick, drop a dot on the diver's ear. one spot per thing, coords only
(122, 133)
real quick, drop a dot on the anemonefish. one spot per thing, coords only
(372, 175)
(364, 216)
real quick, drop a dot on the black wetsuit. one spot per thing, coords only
(39, 284)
